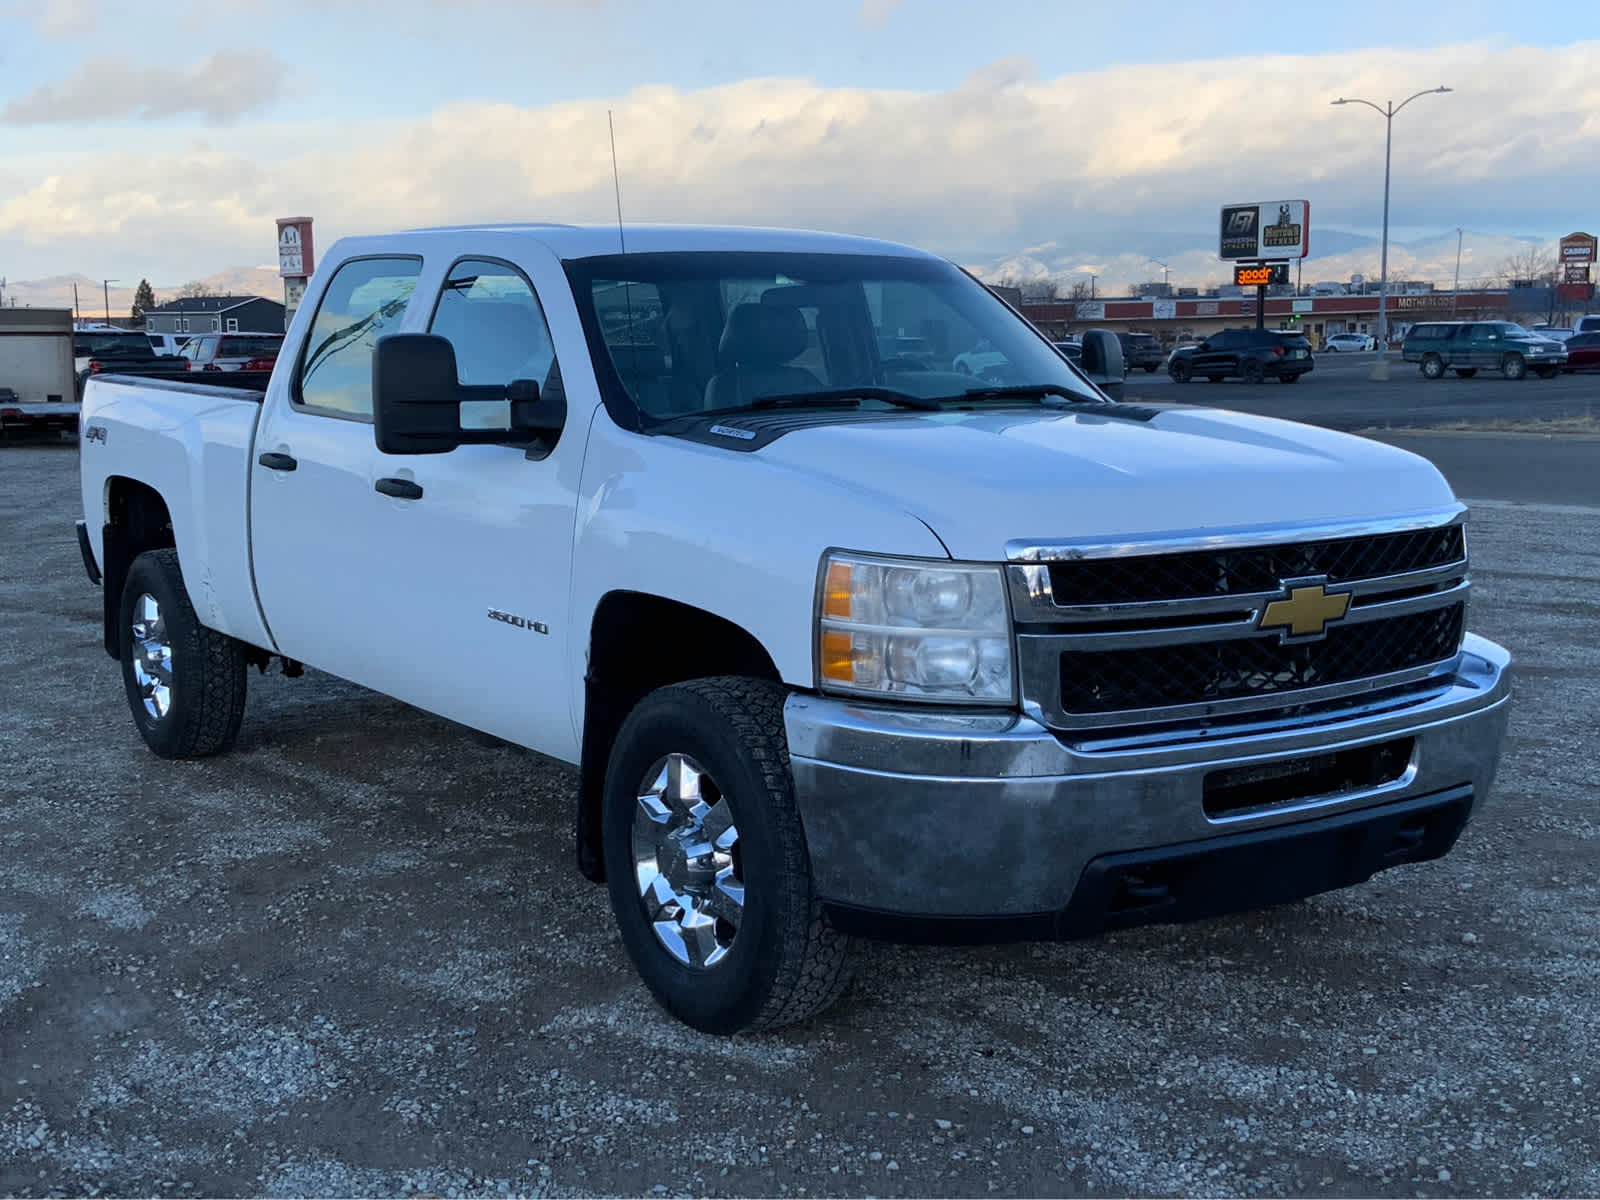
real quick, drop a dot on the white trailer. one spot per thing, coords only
(36, 380)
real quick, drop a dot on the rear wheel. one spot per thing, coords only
(185, 683)
(1253, 372)
(1432, 366)
(1513, 366)
(1150, 368)
(1549, 372)
(1466, 372)
(706, 860)
(1295, 378)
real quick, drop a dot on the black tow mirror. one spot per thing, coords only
(1102, 361)
(418, 407)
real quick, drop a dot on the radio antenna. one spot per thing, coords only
(616, 181)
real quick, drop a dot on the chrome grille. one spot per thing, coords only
(1226, 572)
(1165, 631)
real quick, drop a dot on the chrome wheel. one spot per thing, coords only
(152, 656)
(686, 861)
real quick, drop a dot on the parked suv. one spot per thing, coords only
(1467, 347)
(1141, 350)
(231, 351)
(1254, 355)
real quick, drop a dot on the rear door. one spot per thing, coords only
(1217, 356)
(311, 484)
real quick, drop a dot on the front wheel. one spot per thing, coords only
(1179, 372)
(1432, 366)
(185, 683)
(1514, 366)
(706, 860)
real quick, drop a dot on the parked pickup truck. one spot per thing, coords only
(840, 644)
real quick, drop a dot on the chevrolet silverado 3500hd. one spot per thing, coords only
(842, 641)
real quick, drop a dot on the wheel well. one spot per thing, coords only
(638, 643)
(137, 519)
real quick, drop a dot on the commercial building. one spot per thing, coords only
(1316, 315)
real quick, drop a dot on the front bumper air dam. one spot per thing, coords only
(935, 819)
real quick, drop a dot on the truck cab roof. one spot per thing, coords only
(587, 241)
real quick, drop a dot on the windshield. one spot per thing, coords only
(697, 332)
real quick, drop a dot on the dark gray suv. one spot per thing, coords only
(1254, 355)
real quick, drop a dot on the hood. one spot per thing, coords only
(979, 480)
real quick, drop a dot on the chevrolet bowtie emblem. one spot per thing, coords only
(1307, 612)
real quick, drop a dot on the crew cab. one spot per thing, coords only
(842, 641)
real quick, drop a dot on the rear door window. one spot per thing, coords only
(365, 300)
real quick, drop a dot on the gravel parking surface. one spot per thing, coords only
(355, 957)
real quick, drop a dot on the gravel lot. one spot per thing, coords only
(355, 957)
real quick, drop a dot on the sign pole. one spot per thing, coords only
(1261, 306)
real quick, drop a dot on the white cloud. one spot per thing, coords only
(55, 18)
(220, 88)
(875, 14)
(1003, 159)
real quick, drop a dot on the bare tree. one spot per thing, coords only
(195, 289)
(1537, 266)
(1081, 290)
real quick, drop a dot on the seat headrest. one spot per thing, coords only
(763, 335)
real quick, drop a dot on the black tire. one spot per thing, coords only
(1513, 366)
(1252, 372)
(207, 669)
(1290, 378)
(1432, 366)
(1466, 372)
(1549, 372)
(1150, 368)
(1213, 378)
(785, 962)
(1179, 371)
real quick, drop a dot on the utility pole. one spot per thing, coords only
(105, 287)
(1455, 288)
(77, 314)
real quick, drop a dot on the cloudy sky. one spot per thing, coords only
(161, 139)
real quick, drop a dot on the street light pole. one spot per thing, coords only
(1166, 274)
(105, 289)
(1092, 278)
(1455, 288)
(1387, 112)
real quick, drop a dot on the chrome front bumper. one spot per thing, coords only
(942, 815)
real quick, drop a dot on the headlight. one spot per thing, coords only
(929, 630)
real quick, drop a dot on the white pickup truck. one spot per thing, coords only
(843, 640)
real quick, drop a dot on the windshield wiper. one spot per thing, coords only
(847, 397)
(1023, 391)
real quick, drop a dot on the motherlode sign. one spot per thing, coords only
(1273, 230)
